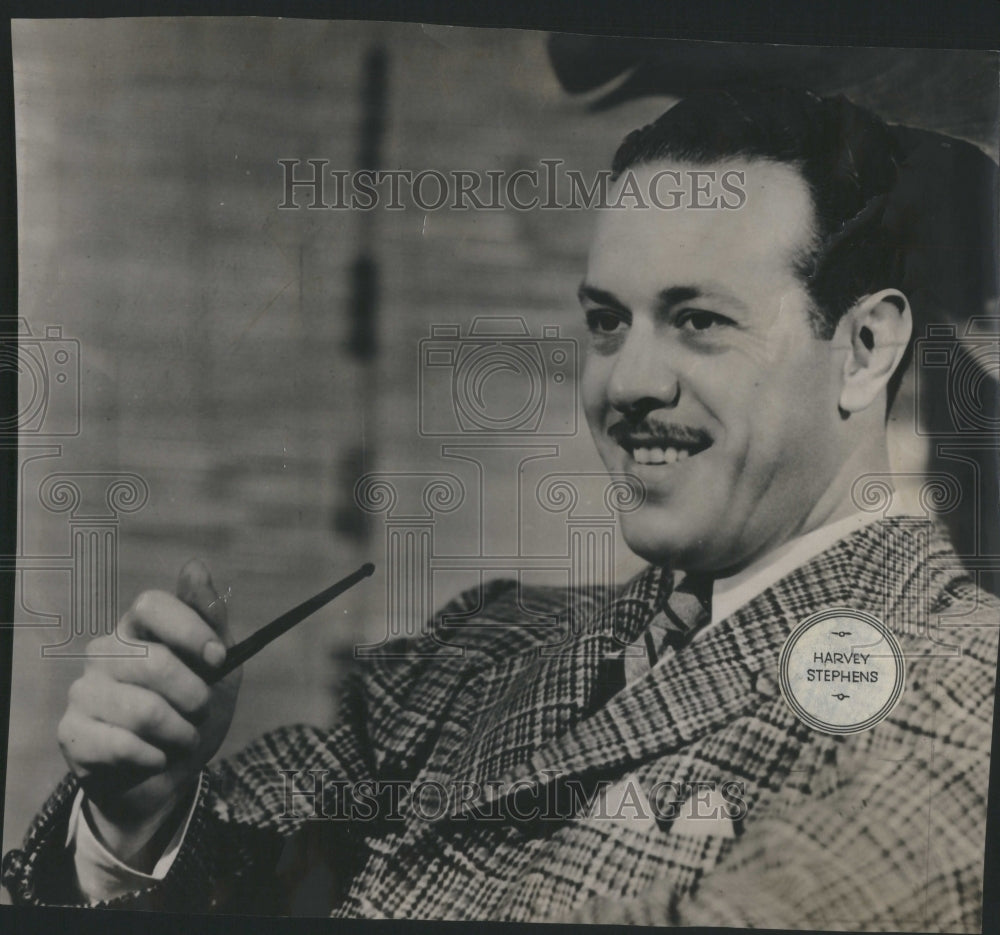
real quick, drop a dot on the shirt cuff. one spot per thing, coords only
(102, 876)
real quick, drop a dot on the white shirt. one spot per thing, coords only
(729, 594)
(102, 876)
(99, 873)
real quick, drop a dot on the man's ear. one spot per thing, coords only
(876, 331)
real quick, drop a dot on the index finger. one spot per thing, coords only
(163, 618)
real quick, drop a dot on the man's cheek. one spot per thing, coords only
(593, 394)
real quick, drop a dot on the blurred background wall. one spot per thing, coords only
(213, 328)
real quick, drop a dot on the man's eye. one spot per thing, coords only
(603, 321)
(696, 319)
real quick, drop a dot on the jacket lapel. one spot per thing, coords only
(544, 690)
(690, 694)
(539, 721)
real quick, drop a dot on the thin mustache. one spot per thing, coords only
(626, 431)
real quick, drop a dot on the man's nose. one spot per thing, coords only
(643, 375)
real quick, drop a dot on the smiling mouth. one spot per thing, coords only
(666, 455)
(662, 448)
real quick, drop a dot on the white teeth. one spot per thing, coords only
(660, 455)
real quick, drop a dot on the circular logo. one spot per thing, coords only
(32, 386)
(841, 671)
(511, 404)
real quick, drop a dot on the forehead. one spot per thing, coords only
(639, 250)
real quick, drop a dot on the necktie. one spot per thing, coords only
(679, 614)
(676, 614)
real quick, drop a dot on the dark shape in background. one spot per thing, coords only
(952, 92)
(363, 307)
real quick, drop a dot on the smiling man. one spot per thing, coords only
(710, 377)
(650, 769)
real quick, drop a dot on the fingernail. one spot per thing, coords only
(214, 653)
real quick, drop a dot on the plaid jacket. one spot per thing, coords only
(504, 700)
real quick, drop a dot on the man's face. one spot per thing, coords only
(703, 377)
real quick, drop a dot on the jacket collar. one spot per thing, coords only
(543, 726)
(540, 722)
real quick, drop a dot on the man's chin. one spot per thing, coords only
(663, 537)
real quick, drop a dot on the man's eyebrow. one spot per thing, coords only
(666, 299)
(678, 295)
(601, 297)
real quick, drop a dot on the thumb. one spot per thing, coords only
(195, 588)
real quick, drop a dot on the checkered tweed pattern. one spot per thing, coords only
(882, 830)
(679, 615)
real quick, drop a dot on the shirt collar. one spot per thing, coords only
(730, 594)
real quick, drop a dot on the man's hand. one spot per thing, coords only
(139, 728)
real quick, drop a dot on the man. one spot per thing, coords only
(741, 365)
